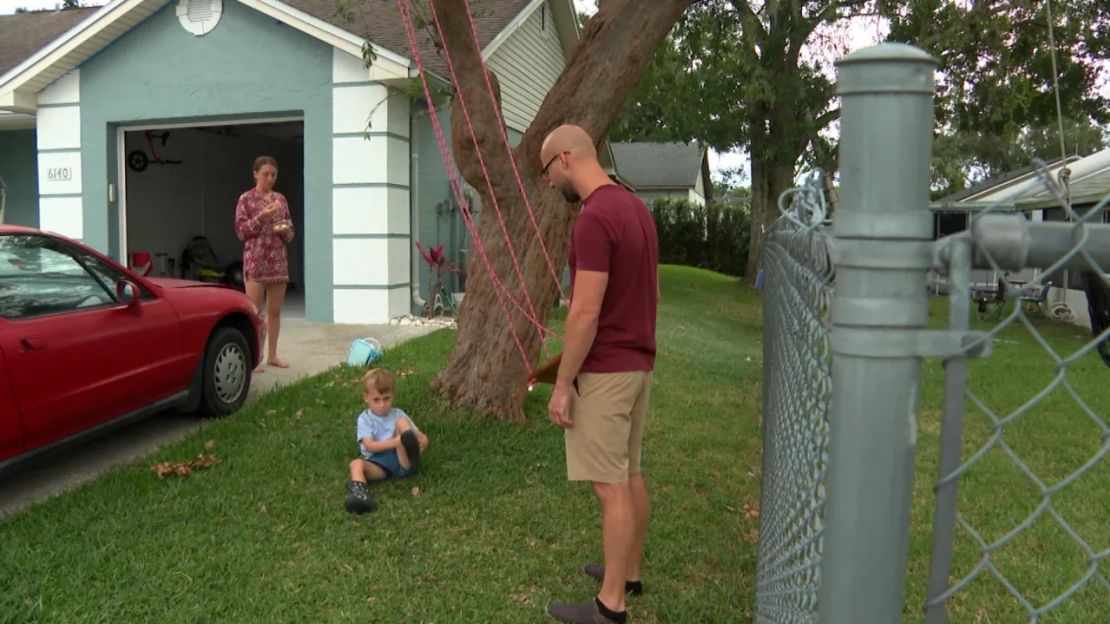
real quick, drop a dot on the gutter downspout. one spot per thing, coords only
(414, 222)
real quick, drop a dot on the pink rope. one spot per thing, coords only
(482, 163)
(529, 314)
(500, 289)
(509, 151)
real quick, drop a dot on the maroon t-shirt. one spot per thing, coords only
(615, 234)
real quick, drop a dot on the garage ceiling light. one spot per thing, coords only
(199, 16)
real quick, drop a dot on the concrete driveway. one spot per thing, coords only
(310, 347)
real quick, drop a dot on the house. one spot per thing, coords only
(665, 170)
(132, 127)
(1085, 181)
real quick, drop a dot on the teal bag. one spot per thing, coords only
(364, 351)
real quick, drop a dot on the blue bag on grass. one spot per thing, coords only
(364, 351)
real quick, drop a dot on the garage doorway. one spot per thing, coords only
(179, 182)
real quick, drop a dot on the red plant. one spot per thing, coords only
(438, 264)
(436, 259)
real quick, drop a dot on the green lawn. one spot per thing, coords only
(1055, 438)
(495, 533)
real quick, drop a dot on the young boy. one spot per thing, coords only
(389, 441)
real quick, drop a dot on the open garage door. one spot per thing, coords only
(180, 183)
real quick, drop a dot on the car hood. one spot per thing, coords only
(171, 282)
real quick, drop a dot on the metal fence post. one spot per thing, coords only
(883, 250)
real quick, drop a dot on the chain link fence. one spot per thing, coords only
(974, 488)
(797, 280)
(1022, 531)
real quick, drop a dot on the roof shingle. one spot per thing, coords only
(380, 22)
(659, 165)
(23, 34)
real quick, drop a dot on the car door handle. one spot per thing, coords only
(32, 344)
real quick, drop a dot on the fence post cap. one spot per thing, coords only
(898, 52)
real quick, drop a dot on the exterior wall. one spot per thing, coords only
(695, 198)
(698, 190)
(248, 67)
(19, 169)
(527, 65)
(436, 220)
(60, 162)
(370, 196)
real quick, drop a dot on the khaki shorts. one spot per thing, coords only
(609, 410)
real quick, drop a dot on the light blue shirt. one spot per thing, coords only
(378, 428)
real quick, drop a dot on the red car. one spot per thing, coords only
(86, 344)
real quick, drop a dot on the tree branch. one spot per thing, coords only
(825, 119)
(612, 54)
(471, 94)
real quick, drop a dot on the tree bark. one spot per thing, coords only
(486, 371)
(769, 180)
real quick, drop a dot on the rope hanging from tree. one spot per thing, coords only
(502, 292)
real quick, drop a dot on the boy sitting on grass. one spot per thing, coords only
(388, 439)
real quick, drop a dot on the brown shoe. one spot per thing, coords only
(597, 571)
(582, 613)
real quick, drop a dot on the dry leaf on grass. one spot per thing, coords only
(751, 510)
(261, 509)
(209, 445)
(416, 490)
(405, 373)
(183, 469)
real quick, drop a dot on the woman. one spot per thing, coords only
(263, 223)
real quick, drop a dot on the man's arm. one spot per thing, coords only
(585, 308)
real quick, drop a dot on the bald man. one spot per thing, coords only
(604, 381)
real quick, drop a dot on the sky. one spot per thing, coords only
(9, 6)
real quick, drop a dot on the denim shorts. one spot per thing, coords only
(390, 463)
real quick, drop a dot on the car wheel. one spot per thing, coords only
(226, 376)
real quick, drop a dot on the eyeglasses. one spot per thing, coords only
(543, 172)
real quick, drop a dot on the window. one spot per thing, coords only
(39, 276)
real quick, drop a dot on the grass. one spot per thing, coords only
(494, 534)
(1054, 438)
(496, 531)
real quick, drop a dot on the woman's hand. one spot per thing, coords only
(282, 227)
(268, 211)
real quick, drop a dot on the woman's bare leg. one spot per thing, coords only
(275, 298)
(257, 292)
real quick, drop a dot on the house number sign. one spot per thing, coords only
(59, 174)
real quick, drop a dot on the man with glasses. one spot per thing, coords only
(604, 381)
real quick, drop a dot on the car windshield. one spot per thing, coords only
(38, 276)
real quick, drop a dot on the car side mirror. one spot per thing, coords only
(128, 292)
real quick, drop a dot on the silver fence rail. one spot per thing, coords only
(1011, 522)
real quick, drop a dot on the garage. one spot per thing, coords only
(179, 189)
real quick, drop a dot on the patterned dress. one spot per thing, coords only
(264, 258)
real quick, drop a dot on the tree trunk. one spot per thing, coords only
(769, 180)
(486, 371)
